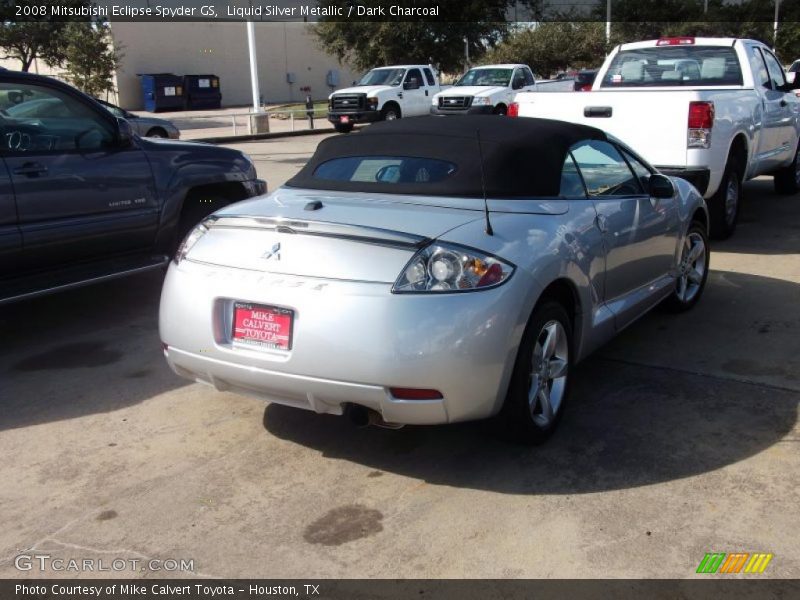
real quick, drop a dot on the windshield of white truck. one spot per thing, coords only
(674, 66)
(383, 77)
(501, 77)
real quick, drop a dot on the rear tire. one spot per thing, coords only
(724, 206)
(787, 180)
(692, 271)
(343, 127)
(539, 385)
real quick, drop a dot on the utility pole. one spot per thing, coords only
(608, 22)
(775, 26)
(251, 46)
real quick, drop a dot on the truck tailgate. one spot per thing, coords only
(653, 123)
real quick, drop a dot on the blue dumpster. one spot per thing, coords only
(202, 92)
(162, 91)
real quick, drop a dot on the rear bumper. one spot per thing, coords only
(351, 343)
(367, 116)
(472, 110)
(698, 177)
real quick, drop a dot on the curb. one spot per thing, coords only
(263, 136)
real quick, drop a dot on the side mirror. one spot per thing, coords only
(124, 133)
(661, 186)
(411, 84)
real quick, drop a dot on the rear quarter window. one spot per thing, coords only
(385, 169)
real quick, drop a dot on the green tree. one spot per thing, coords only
(552, 47)
(26, 41)
(91, 58)
(367, 44)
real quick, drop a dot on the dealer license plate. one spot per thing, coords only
(344, 119)
(266, 327)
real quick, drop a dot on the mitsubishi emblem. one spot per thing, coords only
(275, 251)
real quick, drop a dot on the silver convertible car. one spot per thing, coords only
(429, 271)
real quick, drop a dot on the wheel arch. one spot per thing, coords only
(740, 150)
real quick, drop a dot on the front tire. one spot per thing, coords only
(500, 109)
(724, 205)
(787, 180)
(692, 270)
(540, 381)
(391, 112)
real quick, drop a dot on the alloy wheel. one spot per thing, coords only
(548, 375)
(692, 267)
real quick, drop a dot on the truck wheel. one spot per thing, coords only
(787, 180)
(157, 132)
(500, 109)
(343, 127)
(391, 112)
(724, 205)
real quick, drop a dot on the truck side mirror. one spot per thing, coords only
(411, 84)
(124, 133)
(661, 186)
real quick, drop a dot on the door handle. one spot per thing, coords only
(426, 92)
(31, 169)
(783, 102)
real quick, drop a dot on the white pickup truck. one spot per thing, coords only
(714, 111)
(487, 90)
(384, 94)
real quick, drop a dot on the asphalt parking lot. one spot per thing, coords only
(681, 439)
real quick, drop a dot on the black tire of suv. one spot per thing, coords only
(723, 227)
(195, 209)
(787, 180)
(500, 110)
(343, 127)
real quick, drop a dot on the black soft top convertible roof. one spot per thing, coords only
(521, 157)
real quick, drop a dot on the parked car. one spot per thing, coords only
(144, 126)
(82, 199)
(384, 94)
(584, 80)
(487, 89)
(381, 282)
(715, 111)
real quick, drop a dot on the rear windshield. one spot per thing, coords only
(385, 169)
(674, 66)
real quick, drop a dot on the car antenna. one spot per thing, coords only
(488, 230)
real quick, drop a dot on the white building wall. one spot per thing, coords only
(221, 49)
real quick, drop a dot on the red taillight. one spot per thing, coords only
(676, 41)
(513, 110)
(415, 394)
(701, 115)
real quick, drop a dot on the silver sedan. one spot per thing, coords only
(144, 126)
(429, 271)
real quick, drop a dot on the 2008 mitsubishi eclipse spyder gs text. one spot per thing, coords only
(435, 270)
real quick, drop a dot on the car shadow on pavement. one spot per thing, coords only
(90, 350)
(628, 424)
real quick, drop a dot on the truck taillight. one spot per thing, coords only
(701, 121)
(513, 109)
(676, 41)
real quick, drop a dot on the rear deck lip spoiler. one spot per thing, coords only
(359, 233)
